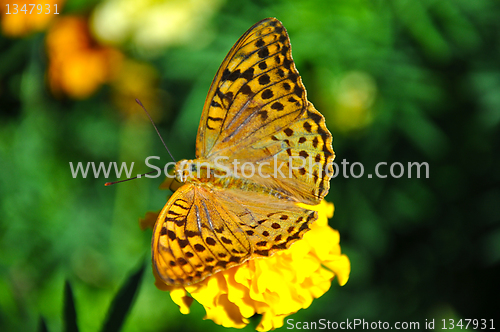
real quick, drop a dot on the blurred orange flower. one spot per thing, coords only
(77, 65)
(24, 18)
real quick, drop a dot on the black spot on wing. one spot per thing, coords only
(214, 104)
(234, 75)
(263, 53)
(171, 234)
(263, 115)
(298, 91)
(210, 241)
(267, 94)
(246, 90)
(183, 243)
(277, 106)
(315, 140)
(264, 79)
(293, 77)
(248, 74)
(199, 248)
(225, 74)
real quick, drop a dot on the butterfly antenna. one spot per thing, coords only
(135, 177)
(150, 119)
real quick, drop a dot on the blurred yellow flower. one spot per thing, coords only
(77, 65)
(275, 286)
(153, 25)
(355, 95)
(137, 80)
(20, 23)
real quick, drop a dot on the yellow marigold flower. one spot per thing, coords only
(19, 23)
(275, 286)
(77, 66)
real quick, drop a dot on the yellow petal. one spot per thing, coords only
(181, 298)
(341, 267)
(226, 313)
(270, 322)
(238, 294)
(206, 292)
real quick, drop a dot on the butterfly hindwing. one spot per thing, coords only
(195, 236)
(203, 231)
(271, 223)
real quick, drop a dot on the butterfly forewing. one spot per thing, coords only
(257, 111)
(256, 91)
(304, 144)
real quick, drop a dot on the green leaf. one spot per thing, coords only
(69, 309)
(42, 326)
(122, 303)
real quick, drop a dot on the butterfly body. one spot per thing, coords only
(261, 149)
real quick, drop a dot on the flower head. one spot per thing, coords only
(78, 66)
(275, 286)
(23, 17)
(153, 25)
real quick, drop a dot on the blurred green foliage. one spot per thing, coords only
(427, 74)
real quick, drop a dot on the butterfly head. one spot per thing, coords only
(182, 169)
(186, 170)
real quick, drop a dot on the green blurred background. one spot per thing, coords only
(398, 81)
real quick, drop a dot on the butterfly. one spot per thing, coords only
(256, 118)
